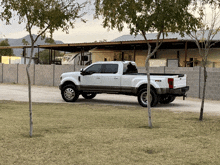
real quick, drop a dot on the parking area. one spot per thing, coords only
(45, 94)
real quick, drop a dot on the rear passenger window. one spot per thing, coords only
(110, 68)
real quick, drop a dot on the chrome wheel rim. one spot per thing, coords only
(144, 98)
(69, 94)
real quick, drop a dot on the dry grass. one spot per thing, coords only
(98, 134)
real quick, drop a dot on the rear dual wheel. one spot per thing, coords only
(143, 99)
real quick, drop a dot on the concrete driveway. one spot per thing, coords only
(44, 94)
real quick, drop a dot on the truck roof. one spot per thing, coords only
(115, 62)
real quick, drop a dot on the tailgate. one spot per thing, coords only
(179, 82)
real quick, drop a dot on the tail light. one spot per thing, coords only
(170, 82)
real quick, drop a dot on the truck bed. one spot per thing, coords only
(156, 74)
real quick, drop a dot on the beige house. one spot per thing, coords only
(182, 50)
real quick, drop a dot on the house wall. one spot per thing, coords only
(140, 56)
(213, 57)
(49, 75)
(110, 55)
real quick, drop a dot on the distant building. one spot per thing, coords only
(14, 60)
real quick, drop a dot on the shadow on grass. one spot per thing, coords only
(147, 127)
(169, 105)
(33, 136)
(108, 102)
(128, 103)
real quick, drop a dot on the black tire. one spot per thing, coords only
(166, 99)
(70, 93)
(142, 98)
(88, 95)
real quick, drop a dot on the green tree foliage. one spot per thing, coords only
(24, 42)
(45, 15)
(50, 41)
(144, 16)
(5, 52)
(44, 54)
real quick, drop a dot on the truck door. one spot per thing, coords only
(92, 77)
(110, 78)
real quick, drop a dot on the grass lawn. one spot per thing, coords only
(97, 134)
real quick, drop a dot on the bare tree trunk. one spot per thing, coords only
(148, 95)
(29, 91)
(203, 94)
(30, 102)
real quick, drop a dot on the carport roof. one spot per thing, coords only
(76, 47)
(125, 42)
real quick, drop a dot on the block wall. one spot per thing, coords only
(195, 80)
(49, 75)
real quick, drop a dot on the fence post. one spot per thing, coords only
(53, 67)
(17, 72)
(199, 81)
(34, 74)
(2, 72)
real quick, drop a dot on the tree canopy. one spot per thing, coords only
(47, 15)
(147, 15)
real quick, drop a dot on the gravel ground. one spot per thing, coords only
(46, 94)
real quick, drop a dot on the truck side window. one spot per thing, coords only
(110, 68)
(94, 68)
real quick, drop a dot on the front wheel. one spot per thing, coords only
(70, 93)
(142, 98)
(166, 99)
(88, 95)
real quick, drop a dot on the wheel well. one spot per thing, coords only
(145, 86)
(68, 83)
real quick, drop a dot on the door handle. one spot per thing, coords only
(115, 78)
(98, 78)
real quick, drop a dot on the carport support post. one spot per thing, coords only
(38, 55)
(82, 56)
(54, 56)
(185, 53)
(134, 53)
(122, 56)
(24, 54)
(51, 55)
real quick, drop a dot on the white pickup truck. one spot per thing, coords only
(121, 77)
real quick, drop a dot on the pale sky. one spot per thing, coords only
(83, 32)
